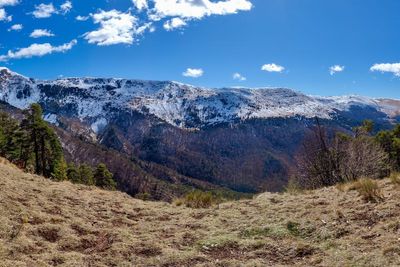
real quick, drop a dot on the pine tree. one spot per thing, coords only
(42, 143)
(60, 170)
(73, 174)
(104, 178)
(86, 174)
(9, 141)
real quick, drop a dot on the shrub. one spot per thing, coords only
(198, 199)
(293, 187)
(144, 196)
(325, 160)
(369, 190)
(395, 178)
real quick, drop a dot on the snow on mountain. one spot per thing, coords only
(94, 100)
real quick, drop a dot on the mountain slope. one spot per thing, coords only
(242, 139)
(133, 176)
(44, 223)
(96, 100)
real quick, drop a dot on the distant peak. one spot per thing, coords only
(5, 70)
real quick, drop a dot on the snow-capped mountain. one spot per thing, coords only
(94, 100)
(246, 140)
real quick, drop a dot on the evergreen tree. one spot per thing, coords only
(42, 143)
(86, 174)
(9, 138)
(60, 170)
(104, 178)
(73, 174)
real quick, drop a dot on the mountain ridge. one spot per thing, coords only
(245, 140)
(178, 104)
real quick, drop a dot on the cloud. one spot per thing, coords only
(142, 29)
(197, 9)
(3, 15)
(194, 73)
(239, 77)
(16, 27)
(177, 13)
(8, 2)
(82, 18)
(272, 68)
(115, 28)
(41, 33)
(44, 11)
(174, 23)
(37, 50)
(336, 68)
(140, 4)
(387, 67)
(66, 7)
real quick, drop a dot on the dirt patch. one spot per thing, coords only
(50, 234)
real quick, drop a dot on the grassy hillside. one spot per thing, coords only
(43, 223)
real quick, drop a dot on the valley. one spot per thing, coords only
(163, 138)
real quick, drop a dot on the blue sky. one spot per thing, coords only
(280, 43)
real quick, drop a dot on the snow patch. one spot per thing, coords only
(99, 125)
(51, 118)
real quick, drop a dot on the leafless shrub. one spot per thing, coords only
(318, 161)
(324, 162)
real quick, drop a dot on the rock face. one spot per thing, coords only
(244, 139)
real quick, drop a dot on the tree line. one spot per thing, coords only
(327, 158)
(33, 145)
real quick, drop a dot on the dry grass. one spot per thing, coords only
(369, 190)
(395, 178)
(43, 223)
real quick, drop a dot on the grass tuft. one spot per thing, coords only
(369, 190)
(395, 178)
(198, 200)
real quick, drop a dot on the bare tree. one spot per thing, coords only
(323, 161)
(317, 162)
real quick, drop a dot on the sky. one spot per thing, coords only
(319, 47)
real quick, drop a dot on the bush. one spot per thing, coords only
(144, 196)
(198, 199)
(395, 178)
(325, 161)
(293, 187)
(369, 190)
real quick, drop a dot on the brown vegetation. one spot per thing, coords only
(46, 223)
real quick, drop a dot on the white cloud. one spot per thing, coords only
(239, 77)
(336, 68)
(174, 23)
(197, 9)
(8, 2)
(142, 29)
(16, 27)
(3, 15)
(82, 18)
(387, 67)
(115, 28)
(41, 33)
(194, 73)
(44, 11)
(272, 68)
(66, 7)
(37, 50)
(140, 4)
